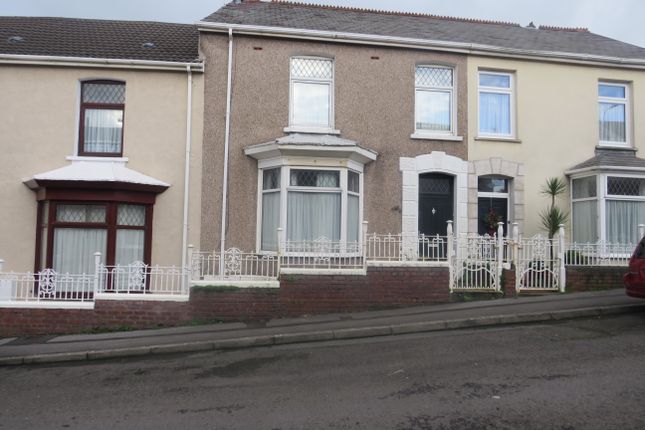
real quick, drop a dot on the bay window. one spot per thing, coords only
(434, 95)
(496, 115)
(607, 207)
(101, 118)
(71, 232)
(613, 111)
(309, 203)
(312, 92)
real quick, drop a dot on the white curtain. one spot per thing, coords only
(103, 130)
(494, 113)
(270, 221)
(74, 249)
(353, 223)
(622, 220)
(129, 246)
(585, 217)
(313, 215)
(612, 122)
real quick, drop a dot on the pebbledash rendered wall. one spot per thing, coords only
(298, 295)
(374, 94)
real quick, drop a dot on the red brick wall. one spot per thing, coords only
(106, 315)
(298, 295)
(594, 278)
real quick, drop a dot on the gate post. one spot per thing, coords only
(516, 255)
(500, 255)
(281, 245)
(97, 267)
(563, 272)
(449, 253)
(364, 245)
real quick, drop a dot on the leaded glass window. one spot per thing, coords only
(311, 92)
(434, 99)
(102, 107)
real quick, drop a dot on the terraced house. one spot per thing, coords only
(319, 158)
(101, 138)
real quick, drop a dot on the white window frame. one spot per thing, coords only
(286, 164)
(497, 90)
(616, 100)
(308, 128)
(422, 133)
(602, 196)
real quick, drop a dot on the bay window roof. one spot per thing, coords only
(104, 173)
(610, 159)
(313, 145)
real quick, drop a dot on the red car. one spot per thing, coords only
(635, 279)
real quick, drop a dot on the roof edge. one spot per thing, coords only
(52, 60)
(459, 47)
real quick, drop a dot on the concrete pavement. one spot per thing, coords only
(51, 349)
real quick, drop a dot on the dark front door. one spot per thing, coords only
(436, 203)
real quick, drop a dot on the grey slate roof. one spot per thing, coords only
(102, 39)
(418, 26)
(612, 158)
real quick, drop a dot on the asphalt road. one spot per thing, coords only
(581, 374)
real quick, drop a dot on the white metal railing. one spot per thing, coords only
(539, 263)
(321, 253)
(390, 247)
(598, 254)
(235, 264)
(140, 278)
(46, 286)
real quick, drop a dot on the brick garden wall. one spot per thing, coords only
(594, 278)
(383, 287)
(298, 295)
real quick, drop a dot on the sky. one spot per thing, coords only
(618, 19)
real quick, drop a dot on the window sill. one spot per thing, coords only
(88, 158)
(498, 139)
(614, 145)
(304, 129)
(429, 136)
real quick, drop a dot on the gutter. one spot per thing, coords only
(50, 60)
(435, 45)
(189, 123)
(604, 169)
(227, 133)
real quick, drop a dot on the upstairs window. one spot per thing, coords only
(434, 94)
(101, 122)
(613, 114)
(496, 117)
(312, 89)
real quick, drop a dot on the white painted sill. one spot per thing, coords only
(315, 130)
(498, 139)
(428, 136)
(104, 159)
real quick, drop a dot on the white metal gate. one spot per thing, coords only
(476, 261)
(539, 264)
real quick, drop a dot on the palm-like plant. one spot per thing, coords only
(553, 216)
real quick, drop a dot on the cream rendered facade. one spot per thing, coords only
(556, 127)
(39, 130)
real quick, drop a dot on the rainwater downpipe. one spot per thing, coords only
(189, 126)
(226, 141)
